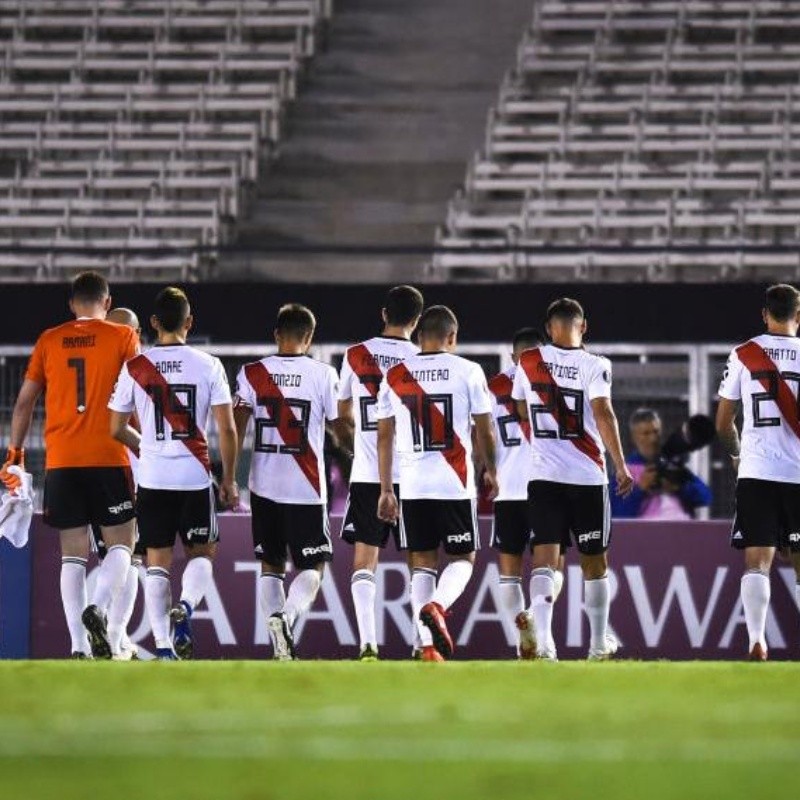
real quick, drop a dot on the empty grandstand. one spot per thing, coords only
(668, 128)
(139, 126)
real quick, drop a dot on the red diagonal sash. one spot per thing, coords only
(757, 363)
(143, 371)
(404, 384)
(261, 380)
(500, 386)
(538, 374)
(363, 364)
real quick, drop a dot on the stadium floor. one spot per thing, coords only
(398, 730)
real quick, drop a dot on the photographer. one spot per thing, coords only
(663, 490)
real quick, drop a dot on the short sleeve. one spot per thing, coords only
(520, 384)
(220, 390)
(245, 396)
(331, 394)
(731, 385)
(480, 401)
(384, 409)
(122, 398)
(599, 379)
(35, 370)
(345, 380)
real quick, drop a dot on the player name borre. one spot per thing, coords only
(559, 370)
(78, 341)
(168, 367)
(427, 375)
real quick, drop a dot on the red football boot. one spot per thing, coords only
(432, 617)
(430, 653)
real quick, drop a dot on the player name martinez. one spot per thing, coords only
(169, 367)
(781, 354)
(427, 375)
(283, 379)
(559, 370)
(78, 341)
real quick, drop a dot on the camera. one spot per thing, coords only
(694, 434)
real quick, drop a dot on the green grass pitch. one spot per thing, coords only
(469, 730)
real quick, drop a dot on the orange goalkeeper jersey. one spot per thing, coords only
(78, 363)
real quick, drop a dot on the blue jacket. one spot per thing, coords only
(694, 494)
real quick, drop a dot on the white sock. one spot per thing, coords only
(755, 591)
(452, 582)
(197, 575)
(121, 610)
(542, 598)
(302, 594)
(511, 596)
(158, 599)
(362, 587)
(596, 601)
(423, 586)
(73, 599)
(111, 574)
(271, 594)
(558, 583)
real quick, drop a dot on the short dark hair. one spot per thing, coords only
(527, 338)
(437, 321)
(89, 287)
(171, 308)
(403, 305)
(295, 320)
(782, 302)
(565, 309)
(644, 415)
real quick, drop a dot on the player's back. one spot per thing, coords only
(559, 384)
(291, 396)
(78, 363)
(764, 373)
(363, 369)
(434, 396)
(174, 388)
(512, 438)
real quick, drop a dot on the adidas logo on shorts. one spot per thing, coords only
(350, 527)
(738, 535)
(258, 550)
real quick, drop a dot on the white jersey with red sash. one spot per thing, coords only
(764, 374)
(433, 397)
(291, 397)
(363, 369)
(558, 385)
(513, 440)
(172, 389)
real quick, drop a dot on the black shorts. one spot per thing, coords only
(767, 515)
(99, 544)
(361, 523)
(560, 510)
(164, 513)
(300, 528)
(511, 527)
(75, 497)
(427, 524)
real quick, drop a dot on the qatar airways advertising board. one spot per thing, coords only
(675, 590)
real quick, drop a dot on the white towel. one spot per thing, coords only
(16, 509)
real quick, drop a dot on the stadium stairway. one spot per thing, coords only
(378, 138)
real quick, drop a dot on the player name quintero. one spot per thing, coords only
(78, 341)
(781, 354)
(559, 370)
(428, 375)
